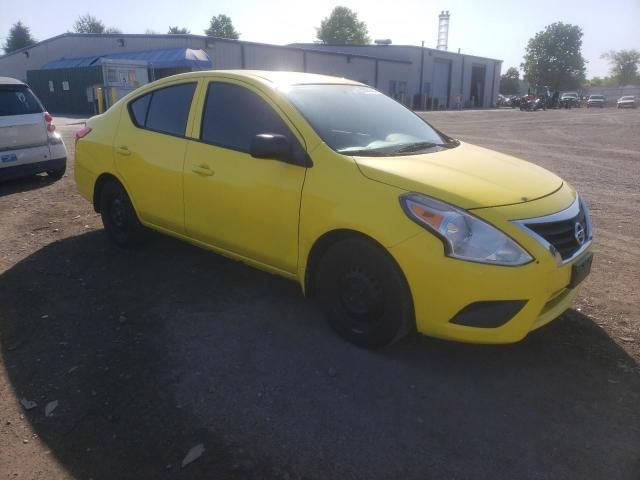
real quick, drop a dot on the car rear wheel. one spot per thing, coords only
(57, 174)
(364, 294)
(119, 217)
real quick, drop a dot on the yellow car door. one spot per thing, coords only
(150, 147)
(233, 201)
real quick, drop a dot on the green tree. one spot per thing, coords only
(221, 26)
(596, 82)
(554, 57)
(88, 24)
(509, 81)
(19, 37)
(178, 31)
(624, 66)
(343, 27)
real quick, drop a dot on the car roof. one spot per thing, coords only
(10, 81)
(273, 78)
(287, 78)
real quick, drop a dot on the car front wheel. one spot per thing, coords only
(119, 217)
(364, 294)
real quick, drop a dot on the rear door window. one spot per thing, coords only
(18, 100)
(165, 110)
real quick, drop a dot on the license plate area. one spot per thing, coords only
(8, 158)
(580, 270)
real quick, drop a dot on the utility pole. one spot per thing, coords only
(421, 89)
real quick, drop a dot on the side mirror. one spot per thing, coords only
(272, 146)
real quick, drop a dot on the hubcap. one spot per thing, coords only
(360, 295)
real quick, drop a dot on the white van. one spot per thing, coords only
(29, 143)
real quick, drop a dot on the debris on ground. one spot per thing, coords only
(194, 454)
(50, 407)
(28, 404)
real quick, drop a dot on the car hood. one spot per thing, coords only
(466, 176)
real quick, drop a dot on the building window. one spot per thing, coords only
(51, 88)
(392, 88)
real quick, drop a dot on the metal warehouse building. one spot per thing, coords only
(70, 71)
(448, 79)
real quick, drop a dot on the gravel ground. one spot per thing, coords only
(150, 353)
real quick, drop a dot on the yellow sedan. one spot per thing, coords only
(392, 225)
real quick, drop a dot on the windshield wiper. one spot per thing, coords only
(417, 146)
(368, 152)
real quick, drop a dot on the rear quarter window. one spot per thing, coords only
(138, 110)
(18, 100)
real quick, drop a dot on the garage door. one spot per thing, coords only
(440, 83)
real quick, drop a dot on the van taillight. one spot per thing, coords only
(83, 132)
(49, 119)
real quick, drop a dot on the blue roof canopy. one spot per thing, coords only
(164, 58)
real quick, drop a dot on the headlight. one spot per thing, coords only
(464, 236)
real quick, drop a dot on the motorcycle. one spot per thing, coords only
(531, 103)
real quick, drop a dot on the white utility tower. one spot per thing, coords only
(443, 30)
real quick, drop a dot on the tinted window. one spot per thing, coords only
(18, 100)
(169, 109)
(234, 115)
(138, 109)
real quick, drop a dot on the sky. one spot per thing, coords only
(496, 28)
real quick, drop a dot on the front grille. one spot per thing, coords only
(562, 234)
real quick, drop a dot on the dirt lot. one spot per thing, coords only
(149, 353)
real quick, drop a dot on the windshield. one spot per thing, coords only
(358, 120)
(18, 100)
(596, 97)
(626, 98)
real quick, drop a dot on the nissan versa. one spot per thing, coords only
(389, 223)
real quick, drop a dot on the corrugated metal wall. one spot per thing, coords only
(61, 100)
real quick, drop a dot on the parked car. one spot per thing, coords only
(29, 143)
(569, 99)
(628, 101)
(391, 224)
(596, 101)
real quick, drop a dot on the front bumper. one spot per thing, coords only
(442, 287)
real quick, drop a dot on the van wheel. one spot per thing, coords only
(57, 174)
(364, 294)
(118, 216)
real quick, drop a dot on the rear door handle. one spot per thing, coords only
(123, 150)
(202, 169)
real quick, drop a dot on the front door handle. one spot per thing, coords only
(202, 169)
(123, 150)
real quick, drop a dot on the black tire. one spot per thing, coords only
(119, 217)
(57, 174)
(364, 294)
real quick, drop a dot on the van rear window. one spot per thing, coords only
(18, 100)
